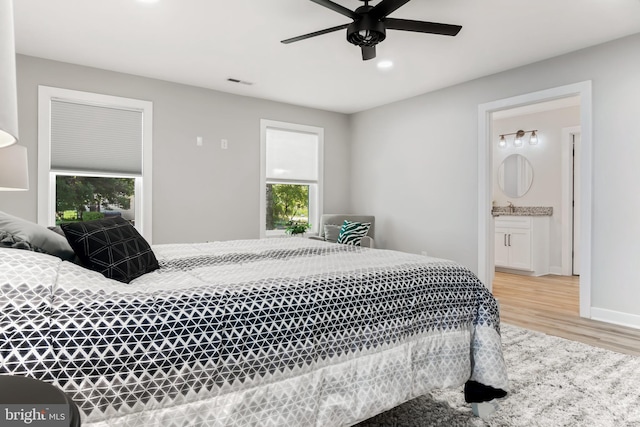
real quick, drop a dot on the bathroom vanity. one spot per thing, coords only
(522, 239)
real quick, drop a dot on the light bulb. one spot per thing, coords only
(534, 138)
(365, 34)
(503, 142)
(517, 142)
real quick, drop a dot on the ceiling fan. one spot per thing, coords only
(370, 24)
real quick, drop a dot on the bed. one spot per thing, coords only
(271, 332)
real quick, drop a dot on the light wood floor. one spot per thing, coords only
(549, 304)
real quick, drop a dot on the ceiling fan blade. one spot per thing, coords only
(422, 26)
(316, 33)
(386, 7)
(337, 8)
(368, 52)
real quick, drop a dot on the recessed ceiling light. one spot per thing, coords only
(385, 64)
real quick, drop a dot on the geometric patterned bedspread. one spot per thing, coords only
(272, 332)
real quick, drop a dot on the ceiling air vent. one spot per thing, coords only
(242, 82)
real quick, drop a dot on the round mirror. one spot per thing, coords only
(515, 175)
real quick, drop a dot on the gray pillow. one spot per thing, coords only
(8, 240)
(331, 233)
(39, 238)
(57, 230)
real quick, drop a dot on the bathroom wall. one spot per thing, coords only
(545, 159)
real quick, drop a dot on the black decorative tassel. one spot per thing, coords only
(474, 392)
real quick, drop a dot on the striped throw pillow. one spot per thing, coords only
(352, 232)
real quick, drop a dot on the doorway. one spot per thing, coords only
(485, 180)
(550, 161)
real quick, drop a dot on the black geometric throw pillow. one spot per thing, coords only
(112, 247)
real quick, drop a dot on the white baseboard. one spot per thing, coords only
(557, 270)
(615, 317)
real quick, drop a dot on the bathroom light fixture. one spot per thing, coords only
(517, 141)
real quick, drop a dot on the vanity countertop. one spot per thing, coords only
(522, 211)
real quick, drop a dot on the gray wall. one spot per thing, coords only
(417, 165)
(199, 193)
(413, 164)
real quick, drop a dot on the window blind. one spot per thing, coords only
(291, 155)
(90, 138)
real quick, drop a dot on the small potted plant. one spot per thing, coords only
(297, 228)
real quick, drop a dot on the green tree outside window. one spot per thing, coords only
(288, 207)
(81, 197)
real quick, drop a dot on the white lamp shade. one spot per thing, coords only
(14, 168)
(8, 91)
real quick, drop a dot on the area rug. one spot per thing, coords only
(554, 382)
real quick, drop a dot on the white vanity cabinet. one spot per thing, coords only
(522, 243)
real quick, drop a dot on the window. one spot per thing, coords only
(83, 198)
(291, 176)
(94, 158)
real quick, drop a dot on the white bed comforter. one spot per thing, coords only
(274, 332)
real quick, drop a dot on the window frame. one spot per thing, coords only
(47, 175)
(315, 187)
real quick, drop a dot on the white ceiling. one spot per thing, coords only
(205, 42)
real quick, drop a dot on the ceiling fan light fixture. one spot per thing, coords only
(371, 22)
(366, 32)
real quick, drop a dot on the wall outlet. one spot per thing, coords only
(199, 141)
(224, 144)
(424, 253)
